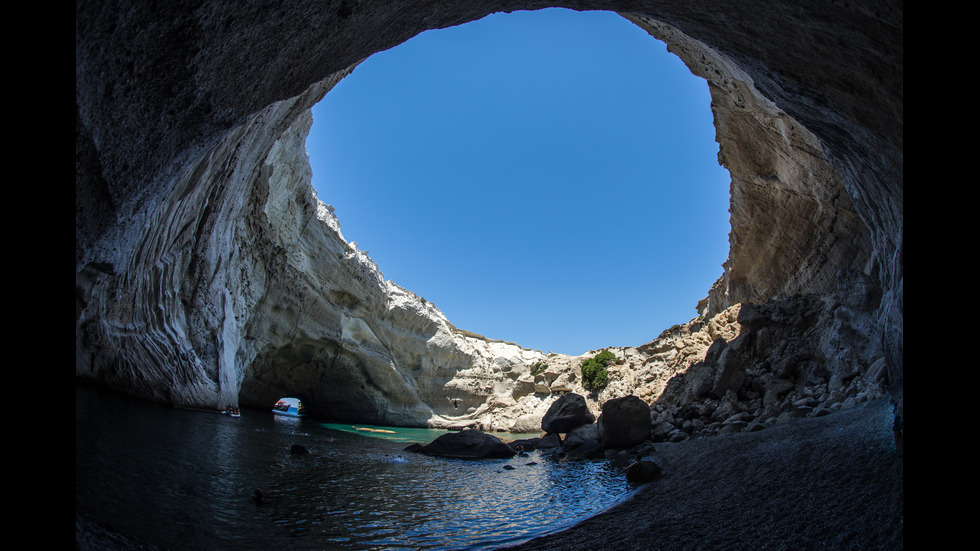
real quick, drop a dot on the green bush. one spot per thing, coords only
(538, 367)
(594, 374)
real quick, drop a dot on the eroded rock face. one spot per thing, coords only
(780, 175)
(207, 273)
(794, 357)
(264, 297)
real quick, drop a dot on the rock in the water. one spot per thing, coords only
(548, 441)
(297, 449)
(468, 444)
(590, 449)
(624, 423)
(262, 498)
(642, 471)
(580, 436)
(525, 444)
(567, 413)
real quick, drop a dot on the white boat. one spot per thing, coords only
(289, 407)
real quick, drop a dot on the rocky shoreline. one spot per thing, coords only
(826, 473)
(829, 482)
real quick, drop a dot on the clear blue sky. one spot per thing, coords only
(548, 178)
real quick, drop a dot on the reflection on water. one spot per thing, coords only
(185, 480)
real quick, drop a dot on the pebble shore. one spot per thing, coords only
(828, 482)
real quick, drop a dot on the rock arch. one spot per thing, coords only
(194, 228)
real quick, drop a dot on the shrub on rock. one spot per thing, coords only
(594, 374)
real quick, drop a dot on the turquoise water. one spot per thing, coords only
(185, 480)
(408, 434)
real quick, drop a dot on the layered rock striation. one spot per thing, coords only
(209, 274)
(258, 295)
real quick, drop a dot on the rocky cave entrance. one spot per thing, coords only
(289, 406)
(537, 166)
(177, 106)
(813, 143)
(329, 382)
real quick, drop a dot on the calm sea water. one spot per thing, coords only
(185, 480)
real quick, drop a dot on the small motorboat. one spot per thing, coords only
(234, 412)
(288, 407)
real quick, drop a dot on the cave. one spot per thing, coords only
(190, 286)
(208, 275)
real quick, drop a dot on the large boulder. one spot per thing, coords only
(550, 441)
(468, 444)
(713, 354)
(732, 362)
(624, 423)
(589, 450)
(567, 413)
(581, 436)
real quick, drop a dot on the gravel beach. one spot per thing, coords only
(831, 482)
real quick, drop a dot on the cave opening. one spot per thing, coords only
(289, 406)
(520, 170)
(317, 379)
